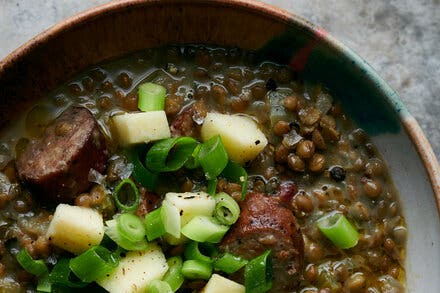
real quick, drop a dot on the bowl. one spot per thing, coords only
(120, 27)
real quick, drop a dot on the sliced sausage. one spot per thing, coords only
(265, 224)
(57, 165)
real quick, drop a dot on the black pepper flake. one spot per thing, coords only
(181, 212)
(271, 85)
(257, 142)
(337, 173)
(189, 197)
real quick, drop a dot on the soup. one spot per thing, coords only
(239, 172)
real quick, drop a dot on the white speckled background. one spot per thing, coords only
(399, 38)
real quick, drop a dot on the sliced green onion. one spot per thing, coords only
(34, 267)
(131, 227)
(170, 154)
(141, 174)
(195, 269)
(61, 275)
(204, 229)
(151, 97)
(154, 227)
(229, 263)
(236, 173)
(113, 232)
(158, 286)
(171, 218)
(339, 230)
(226, 209)
(193, 161)
(258, 273)
(209, 249)
(212, 186)
(192, 251)
(93, 264)
(44, 284)
(174, 275)
(212, 157)
(130, 196)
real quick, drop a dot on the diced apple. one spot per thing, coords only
(135, 271)
(219, 284)
(75, 229)
(240, 135)
(133, 128)
(189, 205)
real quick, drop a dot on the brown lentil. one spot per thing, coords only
(295, 163)
(305, 149)
(290, 103)
(281, 127)
(317, 163)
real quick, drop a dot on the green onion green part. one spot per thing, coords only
(212, 186)
(34, 267)
(112, 230)
(229, 263)
(130, 227)
(193, 162)
(192, 251)
(141, 174)
(174, 276)
(126, 196)
(154, 227)
(195, 269)
(339, 230)
(158, 286)
(171, 218)
(204, 229)
(62, 275)
(93, 264)
(226, 209)
(44, 284)
(236, 173)
(151, 97)
(258, 274)
(212, 157)
(170, 154)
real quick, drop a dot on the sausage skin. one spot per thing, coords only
(265, 224)
(56, 166)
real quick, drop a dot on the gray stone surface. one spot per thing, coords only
(400, 38)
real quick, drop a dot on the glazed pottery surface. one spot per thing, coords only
(121, 27)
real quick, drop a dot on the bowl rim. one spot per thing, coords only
(410, 125)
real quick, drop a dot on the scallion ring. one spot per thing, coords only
(174, 276)
(158, 286)
(226, 209)
(192, 251)
(258, 273)
(229, 263)
(34, 267)
(114, 233)
(339, 230)
(126, 191)
(170, 154)
(213, 157)
(93, 264)
(195, 269)
(151, 97)
(141, 174)
(61, 275)
(204, 229)
(154, 227)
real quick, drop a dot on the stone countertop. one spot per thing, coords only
(399, 38)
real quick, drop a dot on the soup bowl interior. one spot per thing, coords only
(122, 27)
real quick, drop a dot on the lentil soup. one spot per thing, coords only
(316, 162)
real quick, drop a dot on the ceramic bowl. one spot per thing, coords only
(121, 27)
